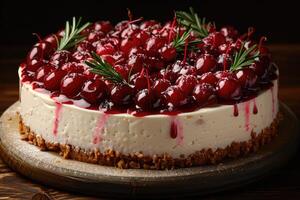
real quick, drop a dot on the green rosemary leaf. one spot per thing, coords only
(99, 66)
(72, 34)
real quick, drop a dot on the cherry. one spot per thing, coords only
(151, 24)
(73, 67)
(168, 74)
(140, 81)
(229, 89)
(154, 63)
(168, 53)
(206, 63)
(35, 58)
(229, 32)
(121, 94)
(121, 25)
(43, 71)
(52, 40)
(95, 36)
(128, 43)
(81, 56)
(209, 78)
(46, 48)
(135, 62)
(85, 46)
(53, 79)
(260, 67)
(61, 57)
(174, 97)
(105, 49)
(186, 83)
(224, 74)
(214, 39)
(144, 99)
(109, 59)
(123, 70)
(188, 70)
(203, 93)
(160, 86)
(93, 90)
(142, 36)
(154, 44)
(246, 77)
(129, 31)
(103, 26)
(71, 84)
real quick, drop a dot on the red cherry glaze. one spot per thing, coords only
(105, 49)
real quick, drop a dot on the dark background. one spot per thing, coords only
(279, 20)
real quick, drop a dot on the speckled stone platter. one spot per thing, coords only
(50, 169)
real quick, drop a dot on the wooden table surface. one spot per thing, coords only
(284, 183)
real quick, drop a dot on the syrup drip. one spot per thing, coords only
(99, 128)
(255, 110)
(235, 110)
(247, 115)
(176, 130)
(57, 112)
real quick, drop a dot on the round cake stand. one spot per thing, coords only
(51, 169)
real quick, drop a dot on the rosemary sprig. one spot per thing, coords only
(192, 20)
(72, 34)
(243, 57)
(99, 66)
(180, 41)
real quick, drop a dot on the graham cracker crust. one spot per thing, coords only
(157, 162)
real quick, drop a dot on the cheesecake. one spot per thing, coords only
(149, 95)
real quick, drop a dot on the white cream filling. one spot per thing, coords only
(215, 127)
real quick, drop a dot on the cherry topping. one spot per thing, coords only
(203, 93)
(121, 95)
(160, 86)
(43, 71)
(71, 84)
(61, 57)
(144, 99)
(209, 78)
(174, 97)
(186, 83)
(168, 53)
(103, 26)
(53, 79)
(229, 89)
(246, 77)
(206, 63)
(93, 90)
